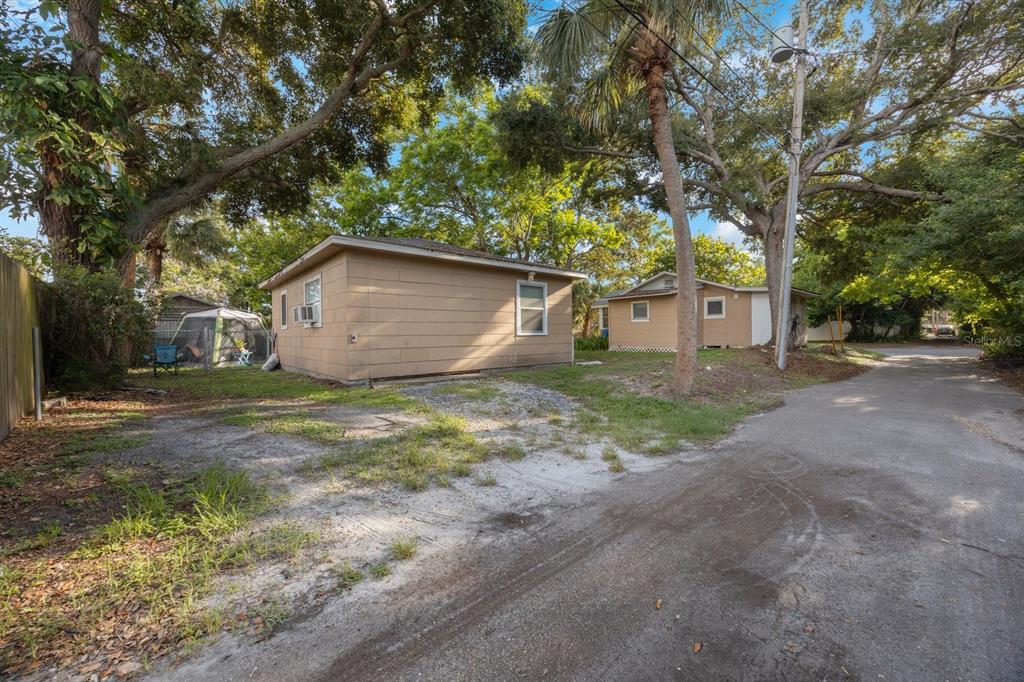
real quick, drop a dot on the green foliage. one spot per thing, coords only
(587, 343)
(93, 329)
(29, 252)
(66, 126)
(183, 87)
(888, 264)
(716, 260)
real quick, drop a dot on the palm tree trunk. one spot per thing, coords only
(686, 299)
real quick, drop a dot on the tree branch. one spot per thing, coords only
(169, 200)
(871, 188)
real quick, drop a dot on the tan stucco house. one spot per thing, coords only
(357, 309)
(644, 318)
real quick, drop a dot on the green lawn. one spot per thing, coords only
(627, 400)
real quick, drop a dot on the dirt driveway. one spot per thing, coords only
(868, 530)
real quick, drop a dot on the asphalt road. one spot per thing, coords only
(867, 530)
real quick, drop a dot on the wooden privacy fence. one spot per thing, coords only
(18, 314)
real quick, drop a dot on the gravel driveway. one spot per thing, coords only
(870, 529)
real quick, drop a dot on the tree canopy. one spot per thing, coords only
(117, 116)
(965, 253)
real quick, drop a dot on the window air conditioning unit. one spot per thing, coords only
(306, 314)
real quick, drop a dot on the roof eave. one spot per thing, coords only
(341, 242)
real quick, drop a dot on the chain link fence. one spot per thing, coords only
(210, 347)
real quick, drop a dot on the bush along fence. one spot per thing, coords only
(19, 296)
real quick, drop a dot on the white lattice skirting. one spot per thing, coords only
(641, 349)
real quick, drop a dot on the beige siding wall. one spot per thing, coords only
(414, 316)
(734, 328)
(659, 332)
(323, 350)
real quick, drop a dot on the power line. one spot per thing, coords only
(643, 22)
(750, 89)
(915, 49)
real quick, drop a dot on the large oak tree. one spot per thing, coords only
(118, 116)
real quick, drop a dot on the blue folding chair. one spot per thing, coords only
(166, 357)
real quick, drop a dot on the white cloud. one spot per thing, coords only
(728, 232)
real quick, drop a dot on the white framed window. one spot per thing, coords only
(640, 311)
(311, 296)
(531, 308)
(714, 308)
(284, 309)
(604, 318)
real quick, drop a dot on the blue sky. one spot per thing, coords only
(700, 223)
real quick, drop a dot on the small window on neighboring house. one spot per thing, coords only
(641, 311)
(284, 310)
(714, 308)
(532, 309)
(604, 318)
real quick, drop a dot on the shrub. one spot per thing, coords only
(591, 343)
(93, 329)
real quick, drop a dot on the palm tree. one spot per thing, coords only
(621, 52)
(192, 238)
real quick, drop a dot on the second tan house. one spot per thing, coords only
(644, 318)
(356, 309)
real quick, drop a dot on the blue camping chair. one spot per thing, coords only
(165, 358)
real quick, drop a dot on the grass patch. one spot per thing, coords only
(616, 466)
(642, 423)
(609, 454)
(44, 538)
(249, 382)
(511, 451)
(281, 541)
(347, 575)
(95, 444)
(574, 452)
(413, 458)
(380, 570)
(486, 479)
(318, 430)
(13, 478)
(469, 391)
(403, 548)
(156, 562)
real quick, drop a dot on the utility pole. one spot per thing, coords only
(793, 191)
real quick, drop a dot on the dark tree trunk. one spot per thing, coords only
(155, 260)
(59, 222)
